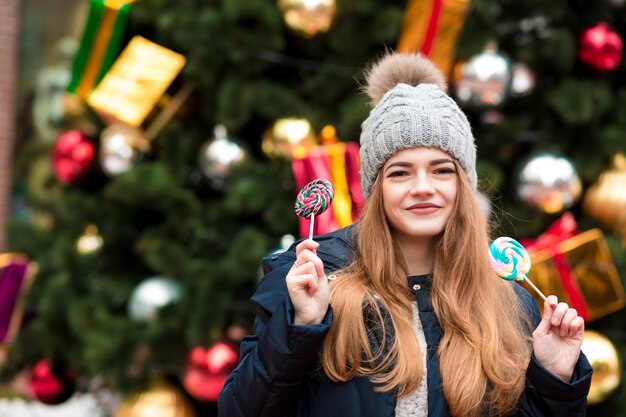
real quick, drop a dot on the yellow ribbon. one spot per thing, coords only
(100, 45)
(342, 202)
(117, 4)
(449, 24)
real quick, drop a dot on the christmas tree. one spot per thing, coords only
(147, 253)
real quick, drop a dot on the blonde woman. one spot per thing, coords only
(415, 323)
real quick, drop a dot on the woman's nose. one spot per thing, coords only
(422, 184)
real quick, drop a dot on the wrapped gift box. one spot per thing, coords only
(580, 271)
(16, 276)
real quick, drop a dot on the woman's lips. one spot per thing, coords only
(424, 208)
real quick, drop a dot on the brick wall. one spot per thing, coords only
(9, 40)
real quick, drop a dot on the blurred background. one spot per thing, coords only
(151, 152)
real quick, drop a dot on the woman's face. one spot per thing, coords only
(419, 188)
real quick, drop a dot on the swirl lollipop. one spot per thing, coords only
(313, 199)
(510, 260)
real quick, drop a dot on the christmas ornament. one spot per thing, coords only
(72, 156)
(523, 80)
(100, 43)
(17, 274)
(121, 146)
(328, 135)
(485, 204)
(600, 47)
(286, 135)
(207, 370)
(151, 295)
(491, 117)
(50, 101)
(136, 81)
(606, 364)
(308, 17)
(219, 155)
(485, 79)
(286, 241)
(90, 241)
(160, 400)
(548, 182)
(432, 28)
(605, 201)
(50, 384)
(577, 267)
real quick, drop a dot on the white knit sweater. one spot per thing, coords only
(415, 404)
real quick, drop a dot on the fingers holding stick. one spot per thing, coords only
(307, 259)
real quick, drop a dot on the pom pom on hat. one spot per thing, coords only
(396, 68)
(411, 109)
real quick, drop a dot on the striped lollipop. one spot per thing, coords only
(510, 260)
(313, 199)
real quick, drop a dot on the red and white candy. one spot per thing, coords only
(314, 199)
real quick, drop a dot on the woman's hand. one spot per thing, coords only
(558, 337)
(307, 285)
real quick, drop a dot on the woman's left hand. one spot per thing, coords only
(557, 338)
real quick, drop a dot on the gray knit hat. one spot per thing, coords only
(411, 109)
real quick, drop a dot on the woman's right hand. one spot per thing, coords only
(307, 285)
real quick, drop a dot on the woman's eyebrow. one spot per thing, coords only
(440, 161)
(403, 164)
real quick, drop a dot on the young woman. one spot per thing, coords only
(419, 324)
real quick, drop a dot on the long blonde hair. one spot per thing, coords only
(485, 347)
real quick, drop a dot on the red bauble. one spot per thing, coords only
(50, 385)
(601, 48)
(207, 370)
(72, 157)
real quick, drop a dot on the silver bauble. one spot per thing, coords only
(151, 295)
(485, 79)
(219, 155)
(121, 146)
(549, 182)
(523, 79)
(485, 204)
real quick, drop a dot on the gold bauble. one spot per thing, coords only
(308, 17)
(286, 135)
(160, 400)
(606, 365)
(90, 241)
(605, 202)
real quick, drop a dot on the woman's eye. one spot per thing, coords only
(445, 171)
(396, 173)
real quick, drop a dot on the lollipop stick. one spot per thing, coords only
(311, 226)
(535, 288)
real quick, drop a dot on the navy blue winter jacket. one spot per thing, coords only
(279, 373)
